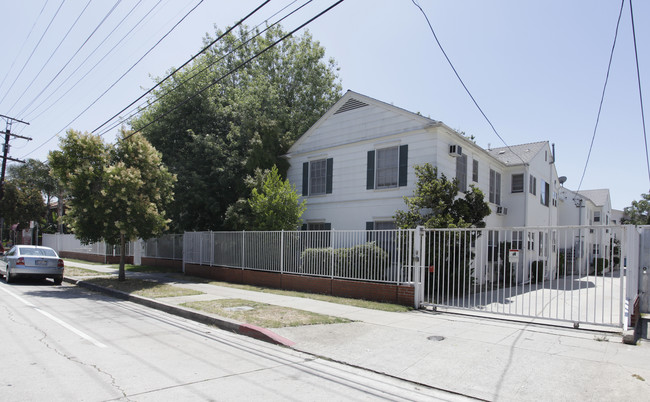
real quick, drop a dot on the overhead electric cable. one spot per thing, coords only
(118, 80)
(602, 96)
(86, 59)
(167, 92)
(33, 50)
(23, 45)
(52, 55)
(184, 64)
(638, 80)
(463, 83)
(216, 81)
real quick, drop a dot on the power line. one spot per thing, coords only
(23, 45)
(33, 50)
(73, 56)
(602, 96)
(167, 92)
(215, 82)
(96, 64)
(118, 80)
(463, 83)
(52, 55)
(184, 64)
(638, 79)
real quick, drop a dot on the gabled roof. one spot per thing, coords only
(599, 197)
(518, 154)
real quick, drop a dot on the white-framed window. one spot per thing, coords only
(475, 171)
(517, 239)
(517, 185)
(596, 216)
(461, 172)
(317, 177)
(387, 167)
(543, 193)
(532, 185)
(495, 187)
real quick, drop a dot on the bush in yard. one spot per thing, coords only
(363, 261)
(601, 264)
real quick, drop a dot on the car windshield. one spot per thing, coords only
(47, 252)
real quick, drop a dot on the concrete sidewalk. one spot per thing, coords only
(478, 357)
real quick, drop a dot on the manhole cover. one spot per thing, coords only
(436, 338)
(239, 308)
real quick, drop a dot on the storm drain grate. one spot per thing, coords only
(436, 338)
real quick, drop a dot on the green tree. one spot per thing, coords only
(435, 204)
(21, 204)
(34, 175)
(276, 206)
(639, 212)
(117, 193)
(247, 121)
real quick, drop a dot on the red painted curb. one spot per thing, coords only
(264, 334)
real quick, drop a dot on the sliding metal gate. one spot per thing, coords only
(573, 274)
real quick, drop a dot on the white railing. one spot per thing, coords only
(169, 247)
(574, 274)
(378, 255)
(67, 242)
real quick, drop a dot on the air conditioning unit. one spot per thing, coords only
(455, 150)
(502, 211)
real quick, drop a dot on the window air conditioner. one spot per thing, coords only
(502, 211)
(455, 150)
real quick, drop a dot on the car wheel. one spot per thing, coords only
(8, 277)
(58, 280)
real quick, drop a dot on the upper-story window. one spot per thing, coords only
(317, 177)
(532, 186)
(544, 193)
(517, 183)
(475, 171)
(461, 172)
(387, 167)
(596, 216)
(495, 187)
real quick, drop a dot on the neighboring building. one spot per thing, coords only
(355, 165)
(586, 207)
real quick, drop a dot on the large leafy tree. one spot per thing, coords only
(21, 204)
(639, 212)
(435, 203)
(277, 205)
(117, 193)
(246, 121)
(34, 176)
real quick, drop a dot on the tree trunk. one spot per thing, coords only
(122, 276)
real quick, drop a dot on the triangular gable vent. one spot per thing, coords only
(351, 104)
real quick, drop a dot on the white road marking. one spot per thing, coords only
(55, 319)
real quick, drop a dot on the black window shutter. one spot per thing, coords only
(304, 226)
(305, 178)
(327, 226)
(370, 225)
(328, 182)
(370, 179)
(403, 164)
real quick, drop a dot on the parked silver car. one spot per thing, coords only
(34, 261)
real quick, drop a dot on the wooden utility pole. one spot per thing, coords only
(5, 149)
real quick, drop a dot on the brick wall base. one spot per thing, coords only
(381, 292)
(163, 262)
(109, 259)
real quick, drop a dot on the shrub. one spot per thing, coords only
(601, 264)
(363, 261)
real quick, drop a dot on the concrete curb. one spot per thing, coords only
(249, 330)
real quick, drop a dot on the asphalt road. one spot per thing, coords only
(66, 343)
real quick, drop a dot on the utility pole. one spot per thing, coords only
(5, 149)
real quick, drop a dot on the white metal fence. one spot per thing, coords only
(67, 242)
(574, 274)
(378, 255)
(168, 247)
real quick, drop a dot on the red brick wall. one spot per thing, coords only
(402, 294)
(94, 257)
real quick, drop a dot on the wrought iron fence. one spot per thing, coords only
(168, 247)
(378, 255)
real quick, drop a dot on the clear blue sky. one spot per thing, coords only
(535, 67)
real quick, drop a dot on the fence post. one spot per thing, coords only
(418, 261)
(243, 248)
(332, 252)
(211, 248)
(282, 252)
